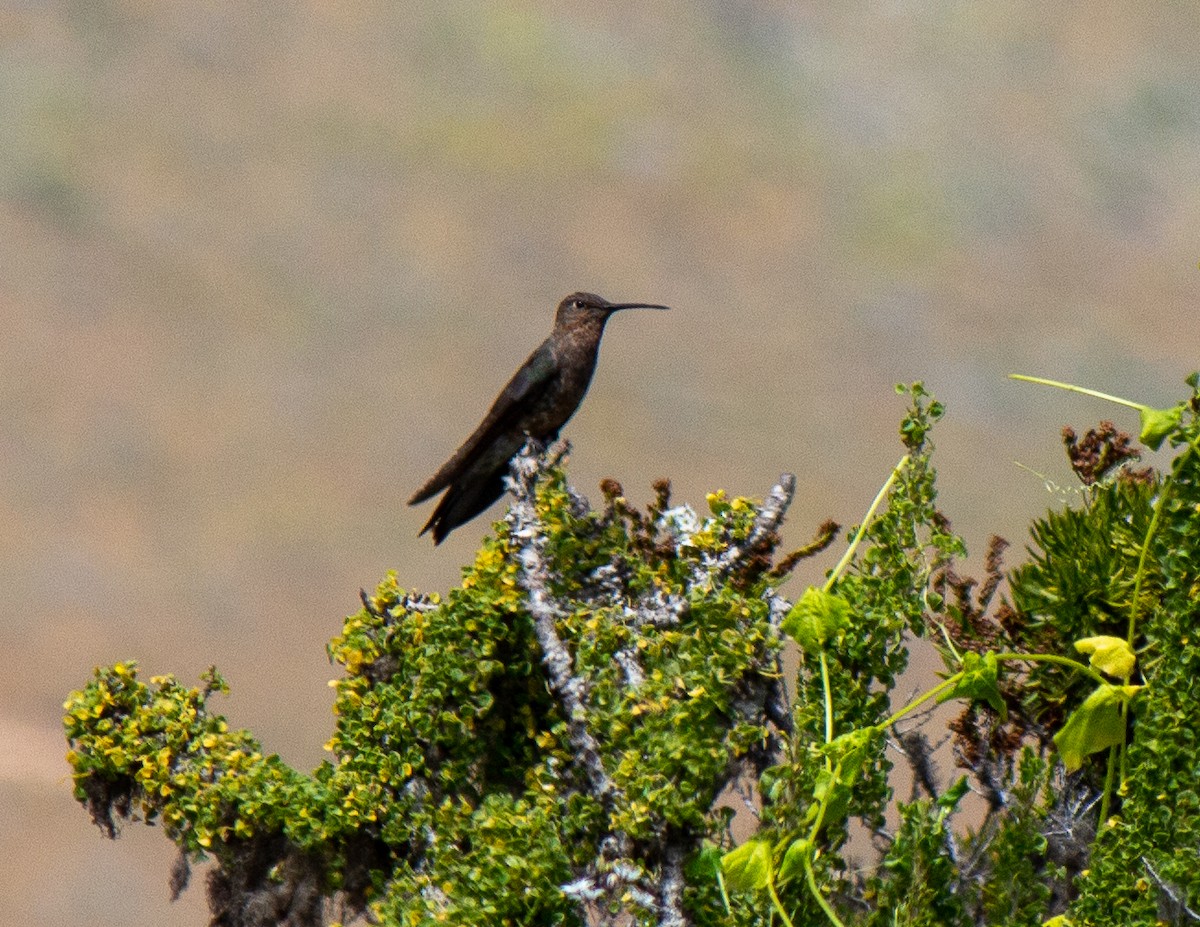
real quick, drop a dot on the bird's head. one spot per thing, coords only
(589, 309)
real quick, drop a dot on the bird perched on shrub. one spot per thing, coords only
(539, 399)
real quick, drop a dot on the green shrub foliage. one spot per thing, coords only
(573, 734)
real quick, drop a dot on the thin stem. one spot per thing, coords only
(914, 705)
(1122, 752)
(828, 702)
(779, 904)
(810, 875)
(1071, 387)
(1054, 658)
(814, 889)
(1141, 567)
(866, 523)
(724, 892)
(1106, 799)
(953, 680)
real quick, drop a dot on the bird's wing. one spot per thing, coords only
(533, 379)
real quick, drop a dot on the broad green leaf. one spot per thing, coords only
(834, 795)
(979, 682)
(748, 868)
(1111, 655)
(1158, 423)
(835, 786)
(849, 753)
(815, 618)
(1093, 726)
(792, 866)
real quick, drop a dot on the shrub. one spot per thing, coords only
(567, 737)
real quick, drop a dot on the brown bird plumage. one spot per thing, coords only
(540, 398)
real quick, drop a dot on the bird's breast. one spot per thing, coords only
(560, 400)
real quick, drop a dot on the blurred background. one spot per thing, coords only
(263, 266)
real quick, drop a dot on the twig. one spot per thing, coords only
(770, 517)
(1173, 892)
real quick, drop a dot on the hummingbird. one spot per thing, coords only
(539, 399)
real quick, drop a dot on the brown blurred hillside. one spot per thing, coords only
(262, 266)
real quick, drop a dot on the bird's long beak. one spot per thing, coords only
(613, 307)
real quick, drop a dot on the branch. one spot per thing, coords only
(665, 895)
(570, 689)
(766, 525)
(670, 903)
(1174, 893)
(778, 709)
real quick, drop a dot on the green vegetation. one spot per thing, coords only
(565, 737)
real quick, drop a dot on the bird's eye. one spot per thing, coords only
(578, 304)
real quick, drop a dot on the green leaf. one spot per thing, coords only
(835, 787)
(792, 866)
(773, 783)
(1093, 726)
(1158, 423)
(979, 681)
(748, 867)
(849, 751)
(815, 618)
(831, 793)
(718, 503)
(1111, 655)
(950, 798)
(706, 863)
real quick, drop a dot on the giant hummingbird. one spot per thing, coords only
(539, 399)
